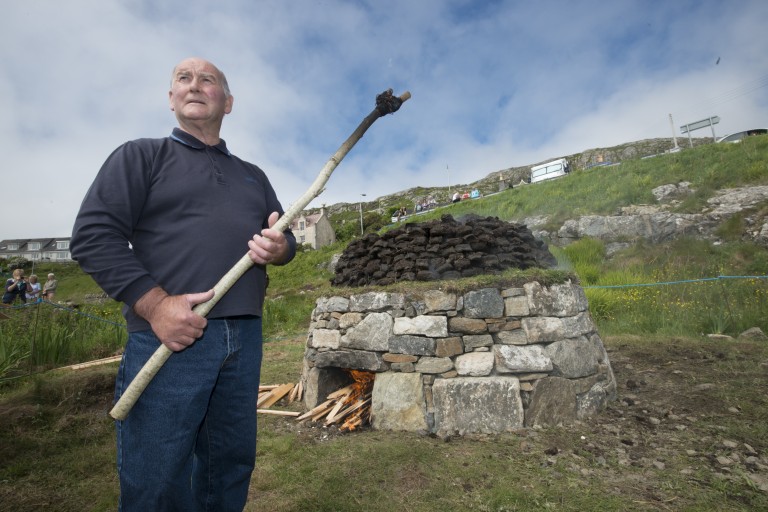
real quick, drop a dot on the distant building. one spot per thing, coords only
(550, 170)
(314, 230)
(36, 249)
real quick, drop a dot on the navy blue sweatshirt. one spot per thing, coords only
(174, 213)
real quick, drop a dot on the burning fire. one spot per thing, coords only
(350, 405)
(359, 400)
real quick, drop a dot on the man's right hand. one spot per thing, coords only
(172, 318)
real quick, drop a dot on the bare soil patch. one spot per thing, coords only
(691, 419)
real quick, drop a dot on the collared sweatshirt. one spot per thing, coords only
(174, 213)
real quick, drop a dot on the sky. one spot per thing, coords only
(495, 84)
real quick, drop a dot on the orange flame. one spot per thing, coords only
(361, 393)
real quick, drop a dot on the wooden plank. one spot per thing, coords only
(294, 392)
(325, 405)
(349, 410)
(277, 394)
(320, 414)
(352, 423)
(278, 413)
(334, 412)
(95, 362)
(263, 397)
(343, 391)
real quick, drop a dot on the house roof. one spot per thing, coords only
(309, 219)
(46, 244)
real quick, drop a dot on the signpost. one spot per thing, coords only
(710, 121)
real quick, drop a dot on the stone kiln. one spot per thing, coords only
(484, 360)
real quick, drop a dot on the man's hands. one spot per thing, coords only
(270, 247)
(172, 318)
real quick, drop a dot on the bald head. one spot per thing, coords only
(196, 62)
(200, 98)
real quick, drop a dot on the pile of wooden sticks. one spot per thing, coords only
(348, 407)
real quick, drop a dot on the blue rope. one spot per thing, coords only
(116, 324)
(676, 282)
(75, 311)
(69, 310)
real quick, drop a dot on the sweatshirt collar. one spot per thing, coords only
(185, 138)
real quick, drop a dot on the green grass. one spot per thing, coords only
(56, 442)
(57, 448)
(691, 302)
(383, 472)
(42, 336)
(41, 339)
(602, 190)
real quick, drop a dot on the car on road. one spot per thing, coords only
(736, 137)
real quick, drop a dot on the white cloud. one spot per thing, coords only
(495, 84)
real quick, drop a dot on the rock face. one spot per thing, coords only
(656, 224)
(438, 250)
(487, 360)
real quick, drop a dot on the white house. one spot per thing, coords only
(36, 249)
(314, 229)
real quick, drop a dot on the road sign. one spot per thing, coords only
(710, 121)
(700, 124)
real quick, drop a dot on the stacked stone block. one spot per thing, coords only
(487, 360)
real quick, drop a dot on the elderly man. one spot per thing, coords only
(163, 220)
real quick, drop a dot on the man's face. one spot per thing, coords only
(197, 93)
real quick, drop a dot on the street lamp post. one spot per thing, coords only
(361, 215)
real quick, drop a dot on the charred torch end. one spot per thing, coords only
(388, 103)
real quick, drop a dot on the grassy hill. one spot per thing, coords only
(602, 191)
(596, 190)
(690, 431)
(348, 212)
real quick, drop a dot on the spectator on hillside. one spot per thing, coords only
(49, 288)
(15, 288)
(456, 197)
(33, 288)
(465, 195)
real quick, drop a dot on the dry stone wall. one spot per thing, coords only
(488, 360)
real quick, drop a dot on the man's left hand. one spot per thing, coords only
(269, 247)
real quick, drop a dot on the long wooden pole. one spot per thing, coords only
(386, 103)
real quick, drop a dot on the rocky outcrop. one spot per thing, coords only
(487, 360)
(656, 227)
(656, 224)
(438, 250)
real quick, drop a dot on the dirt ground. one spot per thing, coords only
(698, 408)
(690, 414)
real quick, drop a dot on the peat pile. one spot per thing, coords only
(437, 250)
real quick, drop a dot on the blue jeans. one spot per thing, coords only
(189, 443)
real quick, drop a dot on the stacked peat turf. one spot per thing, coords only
(437, 250)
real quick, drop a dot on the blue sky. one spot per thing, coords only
(495, 84)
